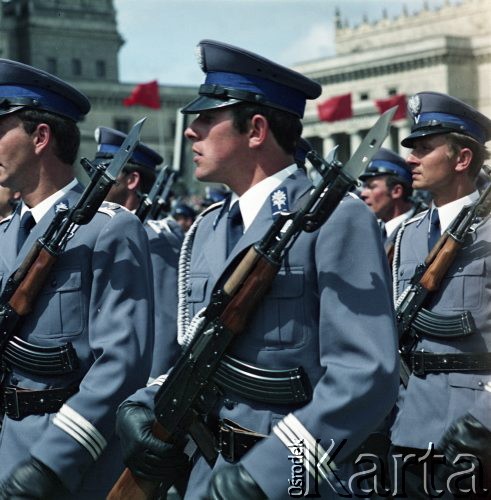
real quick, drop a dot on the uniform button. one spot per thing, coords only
(480, 383)
(54, 283)
(229, 404)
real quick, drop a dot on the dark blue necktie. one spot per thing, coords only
(27, 222)
(434, 233)
(383, 231)
(235, 227)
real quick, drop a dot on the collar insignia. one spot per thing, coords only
(279, 201)
(61, 206)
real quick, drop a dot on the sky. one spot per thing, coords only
(161, 35)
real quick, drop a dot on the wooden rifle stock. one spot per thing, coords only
(25, 295)
(440, 264)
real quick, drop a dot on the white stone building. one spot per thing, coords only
(445, 50)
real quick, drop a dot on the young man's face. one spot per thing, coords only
(378, 197)
(432, 165)
(219, 149)
(119, 190)
(17, 155)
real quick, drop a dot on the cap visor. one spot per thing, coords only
(407, 142)
(364, 177)
(13, 109)
(202, 103)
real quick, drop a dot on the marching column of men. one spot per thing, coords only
(114, 305)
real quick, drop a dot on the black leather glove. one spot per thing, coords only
(466, 436)
(147, 456)
(233, 481)
(32, 480)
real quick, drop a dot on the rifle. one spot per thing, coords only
(23, 286)
(185, 396)
(412, 318)
(157, 200)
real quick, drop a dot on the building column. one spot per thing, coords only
(403, 132)
(327, 144)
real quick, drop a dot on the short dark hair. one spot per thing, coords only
(147, 178)
(391, 181)
(65, 131)
(286, 127)
(480, 154)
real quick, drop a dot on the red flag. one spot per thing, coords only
(395, 100)
(144, 94)
(335, 108)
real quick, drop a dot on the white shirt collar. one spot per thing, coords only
(392, 224)
(253, 199)
(40, 209)
(448, 212)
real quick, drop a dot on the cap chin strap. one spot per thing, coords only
(11, 102)
(225, 93)
(446, 126)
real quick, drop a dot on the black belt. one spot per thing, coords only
(18, 403)
(260, 384)
(233, 440)
(41, 360)
(421, 362)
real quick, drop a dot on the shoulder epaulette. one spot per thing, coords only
(416, 217)
(218, 204)
(110, 208)
(159, 226)
(6, 219)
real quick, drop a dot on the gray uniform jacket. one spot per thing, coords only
(98, 297)
(329, 310)
(165, 236)
(431, 403)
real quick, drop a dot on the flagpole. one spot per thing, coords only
(160, 132)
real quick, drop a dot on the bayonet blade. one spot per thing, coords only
(370, 145)
(125, 151)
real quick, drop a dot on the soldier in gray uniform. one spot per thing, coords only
(86, 345)
(328, 311)
(387, 191)
(184, 215)
(447, 402)
(165, 237)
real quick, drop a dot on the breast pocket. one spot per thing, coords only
(281, 319)
(463, 287)
(405, 272)
(196, 292)
(465, 390)
(59, 309)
